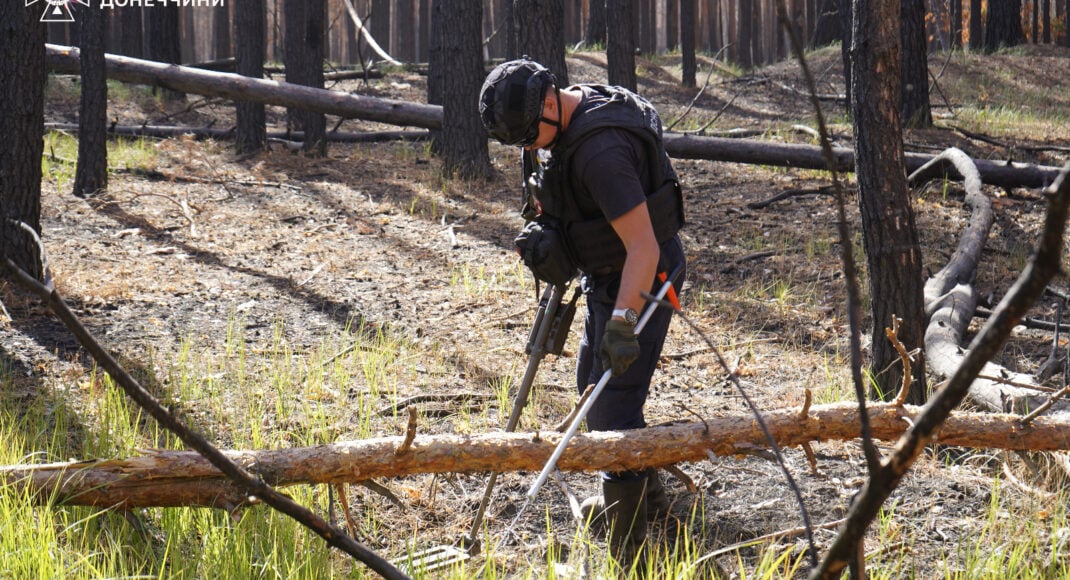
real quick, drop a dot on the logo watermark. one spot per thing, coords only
(58, 10)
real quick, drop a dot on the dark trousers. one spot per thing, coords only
(620, 406)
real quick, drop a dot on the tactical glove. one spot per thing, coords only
(620, 347)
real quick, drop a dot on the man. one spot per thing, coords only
(597, 177)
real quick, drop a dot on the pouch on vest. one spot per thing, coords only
(544, 251)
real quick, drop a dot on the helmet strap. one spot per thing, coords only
(558, 124)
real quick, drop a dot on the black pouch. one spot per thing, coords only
(545, 252)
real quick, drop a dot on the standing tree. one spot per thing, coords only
(130, 45)
(846, 12)
(221, 31)
(1066, 23)
(977, 26)
(91, 174)
(916, 113)
(305, 20)
(22, 88)
(1047, 21)
(540, 30)
(620, 43)
(1004, 25)
(249, 35)
(162, 38)
(890, 235)
(596, 24)
(457, 67)
(687, 42)
(956, 24)
(828, 27)
(744, 57)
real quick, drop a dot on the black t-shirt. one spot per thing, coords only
(610, 169)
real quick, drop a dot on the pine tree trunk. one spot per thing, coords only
(956, 23)
(249, 34)
(687, 42)
(162, 39)
(1047, 21)
(829, 26)
(746, 30)
(596, 24)
(977, 26)
(463, 145)
(22, 84)
(304, 66)
(131, 43)
(889, 232)
(620, 43)
(91, 173)
(1004, 25)
(221, 32)
(541, 34)
(916, 113)
(407, 31)
(1035, 37)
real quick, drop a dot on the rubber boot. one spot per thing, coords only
(626, 515)
(657, 501)
(657, 504)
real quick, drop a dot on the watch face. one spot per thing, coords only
(631, 316)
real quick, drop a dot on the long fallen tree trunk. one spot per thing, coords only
(184, 478)
(64, 59)
(998, 173)
(169, 131)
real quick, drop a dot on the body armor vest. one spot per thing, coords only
(592, 241)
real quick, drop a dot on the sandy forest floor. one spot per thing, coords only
(281, 248)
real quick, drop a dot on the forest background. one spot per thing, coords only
(247, 295)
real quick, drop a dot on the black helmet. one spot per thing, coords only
(510, 102)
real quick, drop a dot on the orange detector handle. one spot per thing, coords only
(671, 294)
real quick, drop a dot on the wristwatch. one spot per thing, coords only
(629, 315)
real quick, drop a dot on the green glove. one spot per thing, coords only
(620, 347)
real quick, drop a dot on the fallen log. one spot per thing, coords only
(998, 173)
(168, 131)
(184, 478)
(950, 300)
(64, 59)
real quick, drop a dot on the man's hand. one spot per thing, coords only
(620, 346)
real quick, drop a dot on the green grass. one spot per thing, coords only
(61, 155)
(265, 393)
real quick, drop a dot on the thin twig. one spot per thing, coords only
(904, 357)
(340, 489)
(410, 433)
